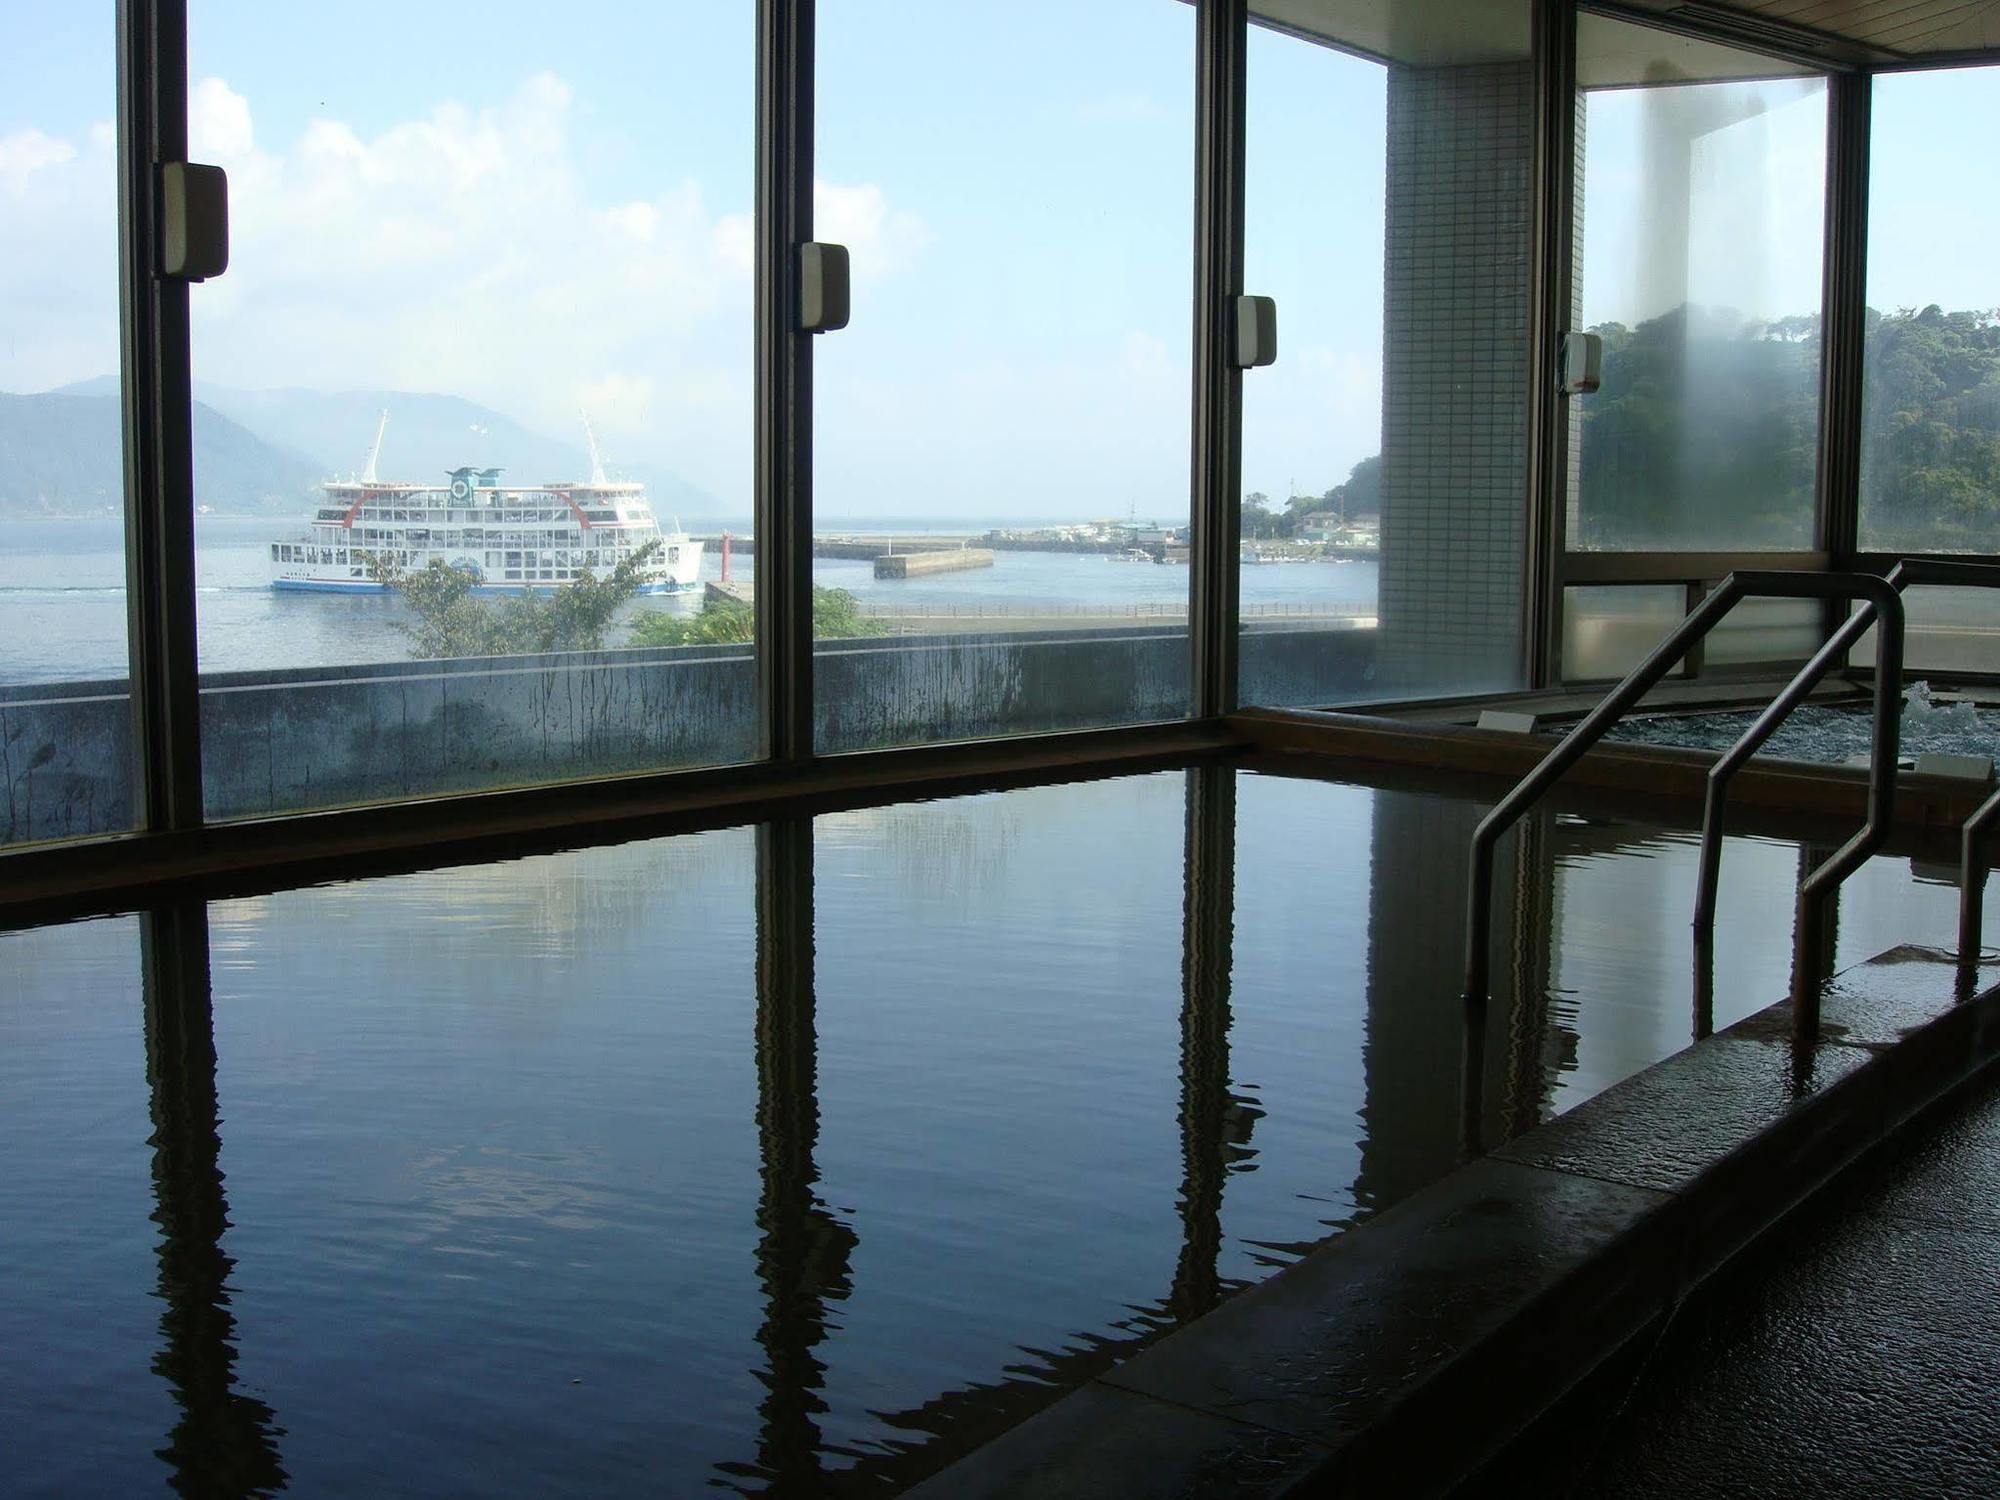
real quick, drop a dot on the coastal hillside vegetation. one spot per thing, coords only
(1930, 450)
(321, 435)
(1357, 498)
(61, 455)
(1705, 433)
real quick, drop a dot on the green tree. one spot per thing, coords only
(1704, 433)
(1361, 494)
(451, 620)
(722, 621)
(1258, 519)
(1931, 431)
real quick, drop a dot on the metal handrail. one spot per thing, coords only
(1909, 571)
(1971, 888)
(1808, 959)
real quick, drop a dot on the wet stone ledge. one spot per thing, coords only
(1401, 1356)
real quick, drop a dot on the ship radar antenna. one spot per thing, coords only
(596, 458)
(375, 449)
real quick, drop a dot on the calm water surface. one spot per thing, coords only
(782, 1161)
(62, 597)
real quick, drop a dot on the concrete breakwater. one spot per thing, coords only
(917, 564)
(864, 547)
(278, 741)
(855, 547)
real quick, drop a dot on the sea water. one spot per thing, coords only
(62, 597)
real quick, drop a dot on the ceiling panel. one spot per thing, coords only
(1423, 33)
(1910, 26)
(1873, 30)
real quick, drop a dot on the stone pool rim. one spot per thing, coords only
(1409, 1350)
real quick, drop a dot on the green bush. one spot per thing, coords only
(836, 616)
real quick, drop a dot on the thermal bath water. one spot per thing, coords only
(788, 1161)
(1831, 734)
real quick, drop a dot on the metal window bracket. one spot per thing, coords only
(823, 287)
(1254, 340)
(1582, 363)
(194, 221)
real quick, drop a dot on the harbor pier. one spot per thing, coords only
(918, 564)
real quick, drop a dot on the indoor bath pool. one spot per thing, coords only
(794, 1159)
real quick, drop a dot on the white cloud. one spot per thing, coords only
(465, 248)
(27, 152)
(879, 239)
(58, 258)
(617, 400)
(218, 123)
(460, 251)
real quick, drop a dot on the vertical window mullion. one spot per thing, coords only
(1217, 458)
(1843, 320)
(156, 406)
(782, 564)
(1551, 304)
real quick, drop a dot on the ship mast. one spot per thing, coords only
(596, 458)
(375, 451)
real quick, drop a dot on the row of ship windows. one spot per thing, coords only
(477, 538)
(563, 557)
(480, 517)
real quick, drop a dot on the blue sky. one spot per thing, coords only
(542, 207)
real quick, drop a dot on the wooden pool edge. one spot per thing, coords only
(1401, 1356)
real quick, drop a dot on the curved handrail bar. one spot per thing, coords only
(1907, 572)
(1971, 886)
(1642, 679)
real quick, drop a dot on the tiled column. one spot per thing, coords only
(1455, 372)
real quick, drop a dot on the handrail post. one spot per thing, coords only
(1971, 890)
(1809, 958)
(1638, 682)
(1723, 772)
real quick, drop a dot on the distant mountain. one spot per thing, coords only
(428, 436)
(60, 454)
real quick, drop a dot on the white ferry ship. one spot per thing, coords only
(508, 537)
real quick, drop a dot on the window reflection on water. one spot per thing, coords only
(798, 1159)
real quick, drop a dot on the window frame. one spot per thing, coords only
(174, 843)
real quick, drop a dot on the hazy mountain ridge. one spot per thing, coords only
(61, 454)
(428, 435)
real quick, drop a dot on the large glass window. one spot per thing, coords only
(65, 712)
(473, 399)
(1384, 459)
(1001, 439)
(1930, 479)
(1701, 208)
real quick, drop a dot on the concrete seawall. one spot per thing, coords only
(323, 737)
(917, 564)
